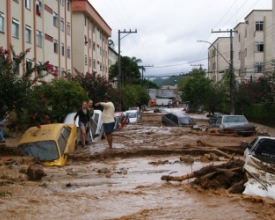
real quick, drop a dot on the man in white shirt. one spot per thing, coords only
(108, 118)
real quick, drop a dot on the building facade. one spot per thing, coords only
(252, 50)
(218, 58)
(90, 39)
(44, 26)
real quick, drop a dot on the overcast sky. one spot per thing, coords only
(168, 30)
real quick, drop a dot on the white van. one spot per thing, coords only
(96, 131)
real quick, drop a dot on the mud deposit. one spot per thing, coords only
(125, 183)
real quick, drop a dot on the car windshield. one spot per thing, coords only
(132, 114)
(234, 119)
(44, 150)
(185, 121)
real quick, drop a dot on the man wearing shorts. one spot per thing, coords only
(108, 118)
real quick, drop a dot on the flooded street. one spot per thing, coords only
(125, 183)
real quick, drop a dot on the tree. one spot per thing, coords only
(61, 98)
(97, 86)
(16, 91)
(195, 88)
(129, 71)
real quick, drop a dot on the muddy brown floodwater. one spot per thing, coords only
(125, 183)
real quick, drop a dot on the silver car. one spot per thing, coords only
(233, 124)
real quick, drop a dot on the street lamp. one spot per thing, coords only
(232, 109)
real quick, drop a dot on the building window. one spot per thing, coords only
(259, 25)
(100, 35)
(62, 2)
(214, 53)
(239, 71)
(245, 69)
(85, 20)
(28, 4)
(62, 24)
(39, 70)
(94, 64)
(63, 72)
(245, 52)
(94, 28)
(2, 21)
(245, 32)
(85, 40)
(16, 68)
(62, 49)
(68, 28)
(68, 52)
(28, 34)
(259, 67)
(28, 65)
(259, 47)
(100, 67)
(100, 51)
(239, 37)
(55, 19)
(68, 5)
(38, 7)
(239, 54)
(55, 46)
(90, 43)
(94, 46)
(90, 62)
(56, 70)
(214, 65)
(86, 60)
(39, 38)
(15, 28)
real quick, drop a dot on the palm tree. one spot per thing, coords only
(111, 43)
(137, 61)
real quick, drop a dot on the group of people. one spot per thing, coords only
(85, 114)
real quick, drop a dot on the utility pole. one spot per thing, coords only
(142, 67)
(119, 59)
(200, 65)
(231, 69)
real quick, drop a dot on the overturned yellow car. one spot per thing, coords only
(51, 143)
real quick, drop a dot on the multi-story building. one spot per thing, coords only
(44, 26)
(90, 39)
(113, 56)
(258, 52)
(218, 58)
(252, 50)
(239, 51)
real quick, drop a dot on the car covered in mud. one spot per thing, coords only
(51, 143)
(259, 158)
(233, 124)
(134, 116)
(262, 148)
(175, 119)
(160, 110)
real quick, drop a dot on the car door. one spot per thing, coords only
(217, 123)
(70, 134)
(167, 119)
(175, 120)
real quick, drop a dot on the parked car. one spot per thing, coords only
(134, 115)
(262, 148)
(174, 119)
(213, 118)
(234, 124)
(160, 110)
(50, 143)
(96, 131)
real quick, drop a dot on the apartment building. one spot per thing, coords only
(90, 39)
(240, 51)
(44, 26)
(113, 56)
(258, 52)
(218, 58)
(253, 48)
